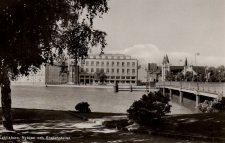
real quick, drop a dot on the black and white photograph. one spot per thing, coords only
(112, 71)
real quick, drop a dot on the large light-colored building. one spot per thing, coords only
(117, 67)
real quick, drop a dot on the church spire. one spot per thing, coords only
(164, 60)
(167, 59)
(186, 62)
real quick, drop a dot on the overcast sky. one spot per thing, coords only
(148, 29)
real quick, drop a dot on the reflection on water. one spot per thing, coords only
(65, 98)
(187, 103)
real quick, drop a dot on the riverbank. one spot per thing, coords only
(201, 127)
(66, 85)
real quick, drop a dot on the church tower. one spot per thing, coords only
(165, 67)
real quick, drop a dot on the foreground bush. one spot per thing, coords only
(217, 104)
(149, 107)
(83, 107)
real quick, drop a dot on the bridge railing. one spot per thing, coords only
(211, 87)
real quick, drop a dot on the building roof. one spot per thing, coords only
(199, 69)
(172, 68)
(107, 55)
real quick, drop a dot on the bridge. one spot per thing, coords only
(208, 89)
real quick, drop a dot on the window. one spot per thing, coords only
(87, 63)
(106, 57)
(107, 70)
(118, 64)
(97, 63)
(107, 64)
(97, 70)
(112, 70)
(133, 71)
(128, 71)
(92, 63)
(128, 64)
(87, 70)
(133, 64)
(92, 70)
(102, 63)
(122, 71)
(122, 64)
(118, 70)
(112, 64)
(94, 57)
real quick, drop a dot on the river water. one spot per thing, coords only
(65, 98)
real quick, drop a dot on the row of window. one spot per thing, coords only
(110, 77)
(97, 63)
(107, 71)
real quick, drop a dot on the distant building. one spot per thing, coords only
(167, 67)
(55, 75)
(33, 78)
(117, 67)
(154, 71)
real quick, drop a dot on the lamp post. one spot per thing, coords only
(179, 72)
(179, 64)
(146, 77)
(147, 74)
(197, 54)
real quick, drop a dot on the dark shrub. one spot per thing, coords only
(217, 104)
(83, 107)
(149, 107)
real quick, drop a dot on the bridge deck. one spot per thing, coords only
(197, 92)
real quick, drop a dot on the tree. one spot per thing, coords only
(100, 75)
(201, 77)
(189, 76)
(180, 76)
(34, 32)
(169, 76)
(149, 107)
(221, 73)
(216, 74)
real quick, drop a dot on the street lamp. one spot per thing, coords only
(179, 64)
(179, 72)
(197, 54)
(147, 74)
(146, 77)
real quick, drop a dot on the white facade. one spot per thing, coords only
(117, 67)
(37, 78)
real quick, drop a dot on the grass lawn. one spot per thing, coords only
(44, 126)
(210, 124)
